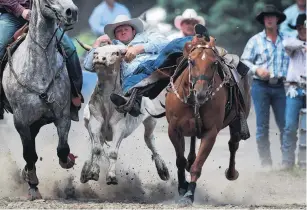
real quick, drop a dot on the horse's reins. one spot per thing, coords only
(43, 95)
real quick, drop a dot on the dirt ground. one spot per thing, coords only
(139, 184)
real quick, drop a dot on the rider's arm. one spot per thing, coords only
(156, 42)
(249, 55)
(13, 5)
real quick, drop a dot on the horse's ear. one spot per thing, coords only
(187, 49)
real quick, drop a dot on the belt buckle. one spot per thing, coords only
(273, 80)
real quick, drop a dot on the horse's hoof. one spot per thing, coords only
(161, 168)
(185, 202)
(34, 194)
(71, 161)
(112, 180)
(231, 177)
(89, 171)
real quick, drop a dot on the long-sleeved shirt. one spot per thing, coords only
(153, 43)
(103, 15)
(296, 49)
(15, 6)
(291, 12)
(260, 51)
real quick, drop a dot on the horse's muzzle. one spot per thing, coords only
(70, 15)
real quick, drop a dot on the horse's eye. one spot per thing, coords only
(117, 53)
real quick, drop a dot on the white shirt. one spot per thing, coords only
(296, 49)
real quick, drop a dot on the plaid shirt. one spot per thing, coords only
(262, 52)
(15, 6)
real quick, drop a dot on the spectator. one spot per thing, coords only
(185, 23)
(296, 95)
(266, 57)
(292, 12)
(105, 13)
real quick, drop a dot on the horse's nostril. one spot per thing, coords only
(103, 58)
(68, 13)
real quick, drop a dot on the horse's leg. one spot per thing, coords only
(91, 168)
(178, 142)
(192, 154)
(113, 151)
(29, 155)
(149, 124)
(66, 160)
(205, 148)
(231, 173)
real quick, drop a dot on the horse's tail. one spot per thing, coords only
(159, 115)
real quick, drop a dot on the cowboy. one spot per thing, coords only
(292, 12)
(266, 57)
(141, 46)
(106, 13)
(296, 94)
(185, 23)
(13, 15)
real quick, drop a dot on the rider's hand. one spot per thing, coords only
(132, 52)
(263, 73)
(26, 14)
(102, 39)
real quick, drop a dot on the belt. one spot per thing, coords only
(279, 83)
(2, 10)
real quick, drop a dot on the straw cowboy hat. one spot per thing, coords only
(187, 15)
(120, 20)
(271, 10)
(300, 20)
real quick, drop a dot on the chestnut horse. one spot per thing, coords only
(197, 105)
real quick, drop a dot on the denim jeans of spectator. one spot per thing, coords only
(264, 96)
(293, 107)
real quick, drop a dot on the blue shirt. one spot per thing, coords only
(153, 43)
(291, 12)
(103, 15)
(260, 51)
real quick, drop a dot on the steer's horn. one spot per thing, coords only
(84, 46)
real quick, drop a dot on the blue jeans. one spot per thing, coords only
(293, 107)
(9, 24)
(264, 96)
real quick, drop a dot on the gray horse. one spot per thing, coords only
(37, 85)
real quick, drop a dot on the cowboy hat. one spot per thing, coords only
(187, 15)
(136, 23)
(270, 10)
(300, 20)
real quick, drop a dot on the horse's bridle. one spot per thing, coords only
(191, 98)
(193, 80)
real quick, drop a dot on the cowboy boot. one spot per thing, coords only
(118, 101)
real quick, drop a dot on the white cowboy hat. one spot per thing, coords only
(186, 15)
(136, 23)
